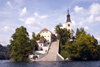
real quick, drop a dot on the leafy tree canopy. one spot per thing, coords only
(20, 45)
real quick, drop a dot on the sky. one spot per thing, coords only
(36, 15)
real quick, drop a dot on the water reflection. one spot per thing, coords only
(7, 63)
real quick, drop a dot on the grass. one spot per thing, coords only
(65, 54)
(39, 53)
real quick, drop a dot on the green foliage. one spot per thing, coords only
(85, 48)
(34, 45)
(62, 34)
(4, 54)
(65, 54)
(79, 31)
(36, 37)
(39, 53)
(53, 37)
(20, 45)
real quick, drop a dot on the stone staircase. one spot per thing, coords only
(53, 53)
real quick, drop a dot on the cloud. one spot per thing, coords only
(90, 19)
(39, 16)
(36, 14)
(9, 4)
(93, 19)
(98, 40)
(97, 18)
(73, 23)
(7, 29)
(32, 23)
(23, 11)
(87, 28)
(21, 19)
(63, 26)
(30, 34)
(78, 9)
(30, 20)
(44, 16)
(4, 43)
(94, 9)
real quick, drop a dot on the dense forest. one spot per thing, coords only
(4, 54)
(84, 48)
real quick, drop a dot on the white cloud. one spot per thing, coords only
(44, 16)
(23, 11)
(7, 29)
(78, 9)
(93, 19)
(73, 23)
(21, 19)
(94, 9)
(36, 14)
(39, 16)
(98, 40)
(30, 34)
(63, 26)
(30, 20)
(87, 28)
(97, 18)
(9, 4)
(90, 19)
(80, 23)
(32, 23)
(4, 43)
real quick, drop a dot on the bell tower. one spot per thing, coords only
(69, 24)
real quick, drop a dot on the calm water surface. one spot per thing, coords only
(7, 63)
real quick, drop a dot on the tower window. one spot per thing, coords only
(68, 25)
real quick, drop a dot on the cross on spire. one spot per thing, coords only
(68, 12)
(68, 16)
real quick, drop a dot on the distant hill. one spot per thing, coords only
(4, 54)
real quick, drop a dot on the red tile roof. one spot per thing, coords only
(41, 40)
(45, 29)
(51, 32)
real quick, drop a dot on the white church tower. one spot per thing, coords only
(69, 24)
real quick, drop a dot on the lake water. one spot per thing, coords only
(7, 63)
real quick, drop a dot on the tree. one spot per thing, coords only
(85, 48)
(79, 31)
(33, 35)
(20, 45)
(34, 45)
(36, 37)
(63, 35)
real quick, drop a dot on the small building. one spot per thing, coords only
(41, 43)
(47, 35)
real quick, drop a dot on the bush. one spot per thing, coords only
(35, 57)
(48, 43)
(64, 54)
(39, 53)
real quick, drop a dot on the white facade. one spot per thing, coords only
(46, 34)
(69, 26)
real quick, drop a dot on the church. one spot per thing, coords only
(68, 25)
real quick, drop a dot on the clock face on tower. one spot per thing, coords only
(68, 25)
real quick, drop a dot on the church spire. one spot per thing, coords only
(68, 12)
(68, 16)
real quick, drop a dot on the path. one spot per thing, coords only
(53, 53)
